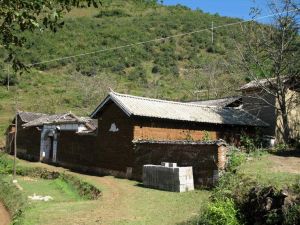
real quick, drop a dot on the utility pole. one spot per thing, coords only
(8, 78)
(15, 147)
(212, 32)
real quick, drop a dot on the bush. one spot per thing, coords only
(155, 69)
(292, 215)
(111, 13)
(248, 143)
(220, 213)
(235, 159)
(12, 79)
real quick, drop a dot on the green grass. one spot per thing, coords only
(58, 189)
(262, 170)
(122, 201)
(126, 202)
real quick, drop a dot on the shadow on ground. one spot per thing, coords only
(287, 153)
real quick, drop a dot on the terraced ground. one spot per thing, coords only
(126, 202)
(122, 202)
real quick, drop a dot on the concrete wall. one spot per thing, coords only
(207, 159)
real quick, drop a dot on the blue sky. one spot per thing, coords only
(232, 8)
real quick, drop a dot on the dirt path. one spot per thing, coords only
(123, 202)
(287, 164)
(4, 215)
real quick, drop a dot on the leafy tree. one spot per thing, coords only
(18, 16)
(272, 52)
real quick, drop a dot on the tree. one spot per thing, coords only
(18, 16)
(271, 58)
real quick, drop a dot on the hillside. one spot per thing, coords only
(181, 68)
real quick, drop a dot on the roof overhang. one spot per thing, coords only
(109, 98)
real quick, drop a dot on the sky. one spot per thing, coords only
(231, 8)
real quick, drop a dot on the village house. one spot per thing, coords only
(260, 102)
(28, 141)
(38, 134)
(126, 132)
(129, 125)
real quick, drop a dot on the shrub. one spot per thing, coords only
(220, 213)
(111, 13)
(248, 143)
(155, 69)
(12, 79)
(235, 159)
(281, 147)
(292, 215)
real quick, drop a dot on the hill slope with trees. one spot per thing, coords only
(183, 68)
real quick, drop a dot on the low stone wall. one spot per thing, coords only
(208, 159)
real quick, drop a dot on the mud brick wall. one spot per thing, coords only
(158, 129)
(207, 159)
(76, 149)
(114, 140)
(28, 143)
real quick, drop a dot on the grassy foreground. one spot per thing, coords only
(126, 202)
(122, 202)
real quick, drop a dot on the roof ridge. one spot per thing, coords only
(32, 112)
(165, 101)
(236, 96)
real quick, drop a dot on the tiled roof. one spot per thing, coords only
(257, 84)
(291, 82)
(29, 116)
(156, 108)
(52, 119)
(221, 102)
(90, 124)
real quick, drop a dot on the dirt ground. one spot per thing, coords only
(285, 163)
(4, 216)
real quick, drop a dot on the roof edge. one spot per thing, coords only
(111, 96)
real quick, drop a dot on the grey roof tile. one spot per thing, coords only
(221, 102)
(156, 108)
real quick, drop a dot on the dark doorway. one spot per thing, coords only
(51, 148)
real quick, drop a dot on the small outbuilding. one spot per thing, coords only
(38, 134)
(28, 140)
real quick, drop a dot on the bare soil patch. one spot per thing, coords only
(4, 215)
(287, 164)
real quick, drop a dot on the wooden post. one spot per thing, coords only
(8, 78)
(15, 146)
